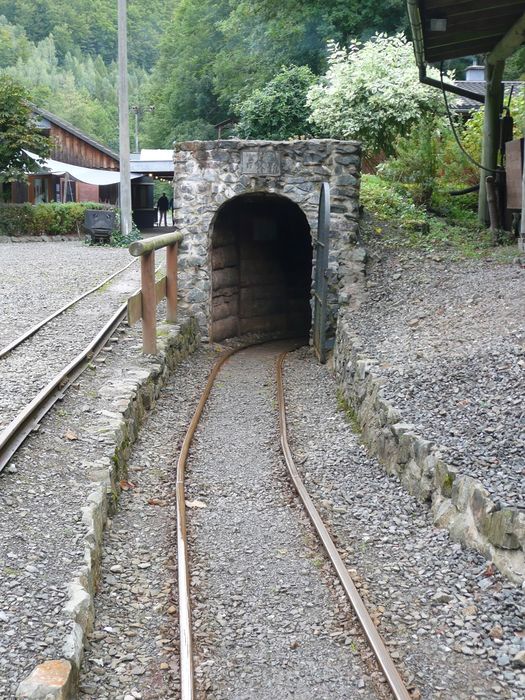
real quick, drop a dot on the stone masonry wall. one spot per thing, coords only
(459, 503)
(210, 173)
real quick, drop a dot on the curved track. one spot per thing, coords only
(398, 688)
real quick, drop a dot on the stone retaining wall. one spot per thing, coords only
(57, 679)
(207, 174)
(459, 503)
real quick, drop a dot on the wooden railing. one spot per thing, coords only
(143, 304)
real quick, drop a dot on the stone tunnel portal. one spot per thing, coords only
(261, 267)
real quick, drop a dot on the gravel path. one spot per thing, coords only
(450, 340)
(454, 623)
(267, 624)
(133, 650)
(38, 278)
(41, 494)
(30, 366)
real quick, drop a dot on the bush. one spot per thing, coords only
(278, 110)
(386, 202)
(44, 219)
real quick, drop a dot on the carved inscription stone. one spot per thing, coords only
(260, 162)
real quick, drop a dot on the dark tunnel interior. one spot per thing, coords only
(261, 268)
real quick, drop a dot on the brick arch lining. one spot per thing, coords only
(261, 264)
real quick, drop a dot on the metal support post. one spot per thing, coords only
(490, 146)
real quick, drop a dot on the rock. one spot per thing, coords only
(51, 680)
(519, 659)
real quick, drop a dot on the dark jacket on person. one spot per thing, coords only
(163, 203)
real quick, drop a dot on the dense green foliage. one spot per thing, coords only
(217, 53)
(197, 62)
(80, 89)
(44, 219)
(18, 131)
(371, 92)
(90, 28)
(278, 110)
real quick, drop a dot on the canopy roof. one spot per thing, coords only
(467, 27)
(91, 176)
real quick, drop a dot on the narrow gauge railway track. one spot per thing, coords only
(384, 660)
(32, 413)
(34, 329)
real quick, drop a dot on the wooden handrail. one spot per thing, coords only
(143, 304)
(148, 245)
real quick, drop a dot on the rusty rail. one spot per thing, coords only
(398, 688)
(383, 657)
(18, 341)
(143, 304)
(28, 419)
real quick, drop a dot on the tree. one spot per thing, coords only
(371, 92)
(18, 131)
(278, 110)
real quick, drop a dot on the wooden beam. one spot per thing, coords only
(135, 301)
(512, 40)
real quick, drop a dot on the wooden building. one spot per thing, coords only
(72, 147)
(446, 29)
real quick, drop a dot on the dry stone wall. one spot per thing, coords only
(207, 174)
(459, 503)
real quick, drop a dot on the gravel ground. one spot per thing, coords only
(267, 624)
(37, 279)
(133, 650)
(450, 340)
(30, 366)
(270, 622)
(41, 493)
(454, 623)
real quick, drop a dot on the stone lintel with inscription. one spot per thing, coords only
(261, 162)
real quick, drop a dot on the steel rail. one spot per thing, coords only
(18, 341)
(27, 420)
(383, 657)
(186, 642)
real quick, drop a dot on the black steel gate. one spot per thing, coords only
(321, 269)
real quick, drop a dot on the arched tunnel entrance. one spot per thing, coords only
(261, 267)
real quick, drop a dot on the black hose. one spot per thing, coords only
(472, 160)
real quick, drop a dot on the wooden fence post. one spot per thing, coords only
(171, 282)
(149, 303)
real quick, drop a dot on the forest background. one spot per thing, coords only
(283, 69)
(197, 62)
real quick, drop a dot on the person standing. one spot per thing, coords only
(163, 206)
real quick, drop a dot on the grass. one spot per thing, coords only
(349, 412)
(451, 229)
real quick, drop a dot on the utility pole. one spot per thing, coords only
(135, 109)
(125, 180)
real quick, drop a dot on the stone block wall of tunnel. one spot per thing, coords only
(261, 261)
(212, 176)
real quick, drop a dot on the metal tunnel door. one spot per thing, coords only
(321, 270)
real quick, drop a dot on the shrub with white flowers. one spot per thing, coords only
(371, 92)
